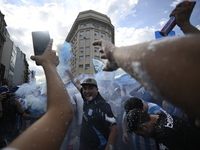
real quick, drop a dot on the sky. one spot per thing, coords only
(135, 21)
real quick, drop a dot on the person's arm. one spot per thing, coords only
(168, 67)
(28, 116)
(112, 137)
(183, 12)
(48, 132)
(74, 80)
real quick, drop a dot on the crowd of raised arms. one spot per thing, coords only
(160, 112)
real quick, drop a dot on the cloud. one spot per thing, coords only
(129, 36)
(198, 27)
(56, 16)
(33, 18)
(118, 10)
(163, 21)
(175, 3)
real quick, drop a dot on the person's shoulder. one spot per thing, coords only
(100, 99)
(102, 102)
(154, 106)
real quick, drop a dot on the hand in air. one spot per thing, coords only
(183, 12)
(107, 49)
(49, 56)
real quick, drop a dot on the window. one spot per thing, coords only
(88, 40)
(80, 57)
(81, 33)
(87, 56)
(87, 31)
(96, 57)
(81, 25)
(81, 40)
(96, 49)
(103, 34)
(87, 65)
(103, 28)
(96, 25)
(109, 30)
(81, 49)
(96, 33)
(80, 66)
(87, 48)
(87, 24)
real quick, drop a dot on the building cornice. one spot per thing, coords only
(89, 16)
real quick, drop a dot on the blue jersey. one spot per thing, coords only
(141, 143)
(97, 118)
(153, 108)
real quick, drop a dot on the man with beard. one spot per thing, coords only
(99, 129)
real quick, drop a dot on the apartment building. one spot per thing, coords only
(88, 27)
(21, 71)
(2, 41)
(15, 71)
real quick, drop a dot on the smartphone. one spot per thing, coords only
(40, 42)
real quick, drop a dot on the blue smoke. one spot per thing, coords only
(64, 56)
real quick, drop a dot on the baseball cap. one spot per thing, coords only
(3, 89)
(89, 81)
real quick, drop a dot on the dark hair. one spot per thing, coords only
(135, 118)
(133, 103)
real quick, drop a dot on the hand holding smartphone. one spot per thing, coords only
(40, 42)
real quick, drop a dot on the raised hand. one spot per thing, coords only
(49, 57)
(107, 49)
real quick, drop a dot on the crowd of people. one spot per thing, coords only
(162, 112)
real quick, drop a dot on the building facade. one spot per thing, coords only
(8, 60)
(88, 27)
(21, 72)
(2, 41)
(16, 68)
(2, 32)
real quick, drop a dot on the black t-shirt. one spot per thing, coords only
(97, 117)
(173, 133)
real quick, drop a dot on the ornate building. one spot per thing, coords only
(88, 27)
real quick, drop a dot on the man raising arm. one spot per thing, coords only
(48, 131)
(168, 67)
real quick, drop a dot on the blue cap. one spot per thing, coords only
(3, 89)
